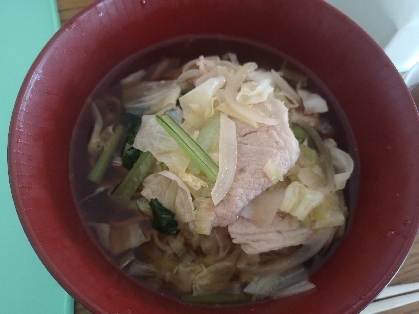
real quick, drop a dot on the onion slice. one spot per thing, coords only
(228, 159)
(300, 287)
(286, 88)
(325, 156)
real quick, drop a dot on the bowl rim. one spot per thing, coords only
(43, 255)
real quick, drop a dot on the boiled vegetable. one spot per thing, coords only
(228, 159)
(135, 176)
(163, 219)
(196, 153)
(105, 158)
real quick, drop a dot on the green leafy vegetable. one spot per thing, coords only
(131, 154)
(135, 176)
(192, 149)
(299, 133)
(163, 218)
(130, 157)
(132, 132)
(105, 158)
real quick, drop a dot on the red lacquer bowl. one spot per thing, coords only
(353, 68)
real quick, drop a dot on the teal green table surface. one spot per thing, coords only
(25, 284)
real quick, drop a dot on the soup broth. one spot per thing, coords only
(175, 264)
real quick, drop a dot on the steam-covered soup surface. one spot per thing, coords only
(208, 169)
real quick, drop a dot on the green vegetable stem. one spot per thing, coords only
(98, 171)
(192, 149)
(135, 176)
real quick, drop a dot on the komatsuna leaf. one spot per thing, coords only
(163, 218)
(130, 157)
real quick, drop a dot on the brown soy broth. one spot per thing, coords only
(99, 209)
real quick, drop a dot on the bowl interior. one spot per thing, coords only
(348, 63)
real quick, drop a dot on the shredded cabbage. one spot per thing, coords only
(327, 214)
(312, 103)
(193, 181)
(172, 192)
(300, 200)
(231, 92)
(204, 215)
(151, 97)
(213, 278)
(154, 139)
(183, 201)
(312, 177)
(254, 92)
(273, 172)
(197, 105)
(125, 237)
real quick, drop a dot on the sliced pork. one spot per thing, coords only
(284, 232)
(255, 146)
